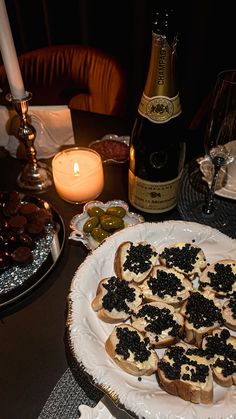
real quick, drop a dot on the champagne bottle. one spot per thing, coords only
(157, 149)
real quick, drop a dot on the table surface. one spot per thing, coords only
(33, 350)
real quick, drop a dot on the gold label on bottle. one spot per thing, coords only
(153, 197)
(159, 109)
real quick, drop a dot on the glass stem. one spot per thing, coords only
(209, 207)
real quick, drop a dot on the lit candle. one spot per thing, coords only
(78, 174)
(9, 56)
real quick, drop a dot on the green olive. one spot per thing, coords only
(116, 211)
(95, 210)
(99, 234)
(90, 224)
(110, 222)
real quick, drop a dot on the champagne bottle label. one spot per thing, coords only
(153, 197)
(159, 109)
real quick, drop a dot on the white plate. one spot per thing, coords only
(105, 409)
(98, 412)
(88, 334)
(77, 222)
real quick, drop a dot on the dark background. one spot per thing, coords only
(123, 28)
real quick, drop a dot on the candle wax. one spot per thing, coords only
(9, 56)
(79, 184)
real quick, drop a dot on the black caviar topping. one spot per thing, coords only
(222, 279)
(183, 258)
(202, 311)
(225, 334)
(232, 306)
(138, 259)
(195, 351)
(218, 345)
(180, 356)
(158, 320)
(228, 367)
(129, 340)
(118, 292)
(165, 283)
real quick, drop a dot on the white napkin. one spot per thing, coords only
(53, 129)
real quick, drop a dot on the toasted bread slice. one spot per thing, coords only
(220, 278)
(229, 312)
(221, 350)
(202, 312)
(116, 299)
(134, 261)
(159, 322)
(129, 350)
(186, 258)
(166, 285)
(183, 371)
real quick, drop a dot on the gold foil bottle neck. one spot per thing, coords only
(160, 80)
(160, 100)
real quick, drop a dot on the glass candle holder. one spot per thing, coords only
(78, 174)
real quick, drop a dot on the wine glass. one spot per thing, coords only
(220, 131)
(198, 201)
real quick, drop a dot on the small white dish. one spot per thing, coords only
(112, 148)
(79, 220)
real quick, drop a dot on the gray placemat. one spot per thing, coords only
(193, 190)
(71, 390)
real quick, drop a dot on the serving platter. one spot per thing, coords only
(99, 412)
(143, 398)
(17, 281)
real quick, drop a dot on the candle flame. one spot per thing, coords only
(46, 205)
(76, 169)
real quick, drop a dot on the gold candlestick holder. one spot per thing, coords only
(35, 176)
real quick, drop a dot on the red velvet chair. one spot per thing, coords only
(82, 77)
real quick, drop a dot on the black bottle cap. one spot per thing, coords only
(165, 24)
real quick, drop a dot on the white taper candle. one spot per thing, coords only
(9, 56)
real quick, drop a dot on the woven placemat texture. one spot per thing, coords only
(192, 191)
(72, 390)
